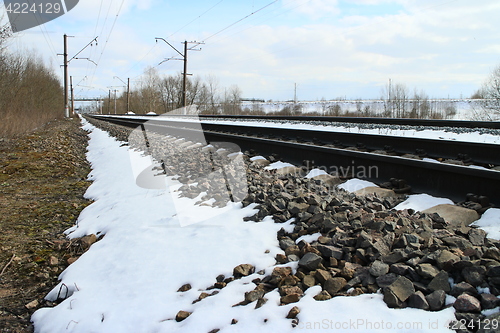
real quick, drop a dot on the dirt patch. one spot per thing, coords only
(42, 182)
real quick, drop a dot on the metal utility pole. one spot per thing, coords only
(109, 101)
(128, 94)
(65, 54)
(115, 98)
(72, 96)
(128, 91)
(184, 75)
(65, 65)
(184, 58)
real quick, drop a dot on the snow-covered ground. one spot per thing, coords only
(464, 108)
(128, 281)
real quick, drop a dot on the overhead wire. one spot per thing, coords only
(195, 18)
(107, 39)
(91, 52)
(172, 34)
(238, 21)
(262, 20)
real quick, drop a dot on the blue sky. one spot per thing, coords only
(329, 48)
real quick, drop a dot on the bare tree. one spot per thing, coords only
(490, 93)
(232, 100)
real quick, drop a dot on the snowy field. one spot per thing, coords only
(128, 281)
(464, 108)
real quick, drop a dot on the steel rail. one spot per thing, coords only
(482, 154)
(359, 120)
(439, 179)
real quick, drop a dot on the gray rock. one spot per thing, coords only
(321, 275)
(295, 208)
(463, 287)
(328, 224)
(340, 217)
(293, 313)
(334, 285)
(474, 275)
(436, 300)
(288, 290)
(392, 300)
(181, 315)
(252, 296)
(310, 261)
(399, 269)
(427, 271)
(364, 240)
(386, 280)
(492, 253)
(440, 282)
(457, 242)
(330, 251)
(323, 296)
(402, 288)
(467, 303)
(489, 301)
(418, 301)
(294, 249)
(291, 298)
(477, 236)
(397, 255)
(286, 242)
(381, 247)
(379, 268)
(317, 219)
(309, 281)
(493, 271)
(243, 270)
(446, 259)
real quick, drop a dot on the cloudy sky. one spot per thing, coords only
(328, 48)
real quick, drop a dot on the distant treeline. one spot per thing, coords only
(30, 92)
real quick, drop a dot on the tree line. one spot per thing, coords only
(162, 94)
(30, 92)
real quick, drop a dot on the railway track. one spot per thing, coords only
(377, 158)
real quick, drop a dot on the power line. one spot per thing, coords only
(229, 26)
(263, 20)
(107, 40)
(138, 62)
(91, 53)
(196, 18)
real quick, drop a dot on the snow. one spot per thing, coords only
(420, 202)
(355, 184)
(128, 280)
(490, 222)
(316, 172)
(308, 238)
(257, 158)
(278, 165)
